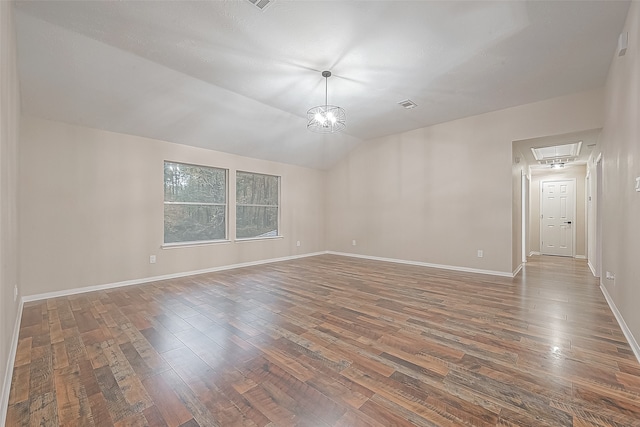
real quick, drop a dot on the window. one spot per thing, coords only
(195, 203)
(256, 205)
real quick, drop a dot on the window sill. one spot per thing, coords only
(253, 239)
(193, 244)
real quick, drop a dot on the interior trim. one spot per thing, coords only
(82, 290)
(593, 270)
(623, 325)
(427, 264)
(517, 270)
(6, 386)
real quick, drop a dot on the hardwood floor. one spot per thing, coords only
(330, 341)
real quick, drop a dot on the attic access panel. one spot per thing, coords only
(557, 153)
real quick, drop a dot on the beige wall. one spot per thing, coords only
(577, 172)
(9, 117)
(91, 208)
(620, 147)
(440, 193)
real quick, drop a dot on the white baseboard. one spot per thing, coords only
(623, 325)
(6, 386)
(68, 292)
(593, 270)
(575, 256)
(517, 270)
(426, 264)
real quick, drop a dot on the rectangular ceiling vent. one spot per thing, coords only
(261, 4)
(408, 104)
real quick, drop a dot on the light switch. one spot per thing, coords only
(638, 183)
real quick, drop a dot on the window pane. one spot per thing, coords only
(188, 183)
(256, 189)
(253, 221)
(192, 223)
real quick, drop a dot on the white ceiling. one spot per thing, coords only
(227, 76)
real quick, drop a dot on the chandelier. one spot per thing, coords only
(326, 118)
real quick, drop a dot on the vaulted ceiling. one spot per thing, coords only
(228, 76)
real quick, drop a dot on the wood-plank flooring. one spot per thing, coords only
(330, 341)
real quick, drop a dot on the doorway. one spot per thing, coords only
(553, 158)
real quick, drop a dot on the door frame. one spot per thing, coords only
(573, 221)
(525, 183)
(598, 266)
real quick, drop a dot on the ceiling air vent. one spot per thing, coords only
(408, 104)
(261, 4)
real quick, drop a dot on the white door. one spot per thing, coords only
(558, 202)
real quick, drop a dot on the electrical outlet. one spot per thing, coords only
(480, 253)
(610, 276)
(152, 259)
(353, 243)
(15, 293)
(298, 243)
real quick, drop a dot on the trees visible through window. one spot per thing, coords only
(256, 205)
(195, 203)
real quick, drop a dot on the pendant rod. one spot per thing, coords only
(326, 75)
